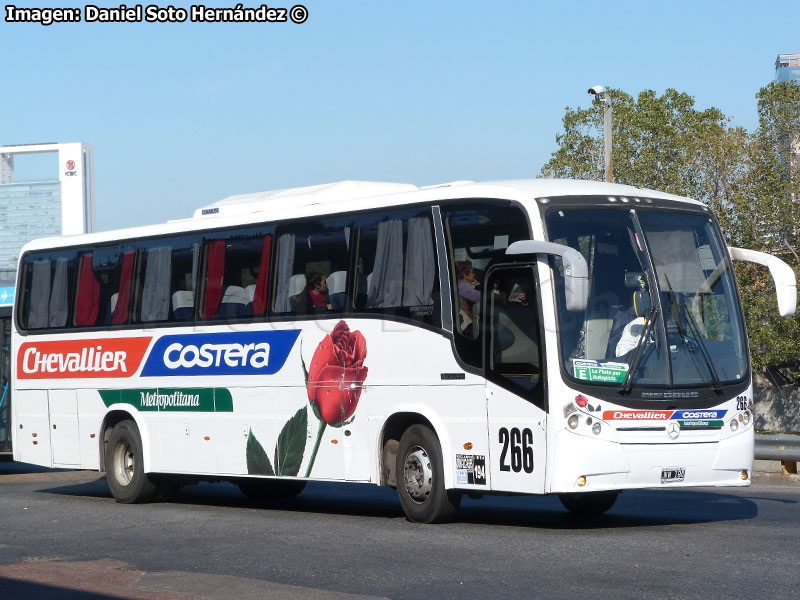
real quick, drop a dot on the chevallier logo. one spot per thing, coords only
(643, 415)
(116, 357)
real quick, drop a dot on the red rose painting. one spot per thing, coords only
(336, 374)
(335, 378)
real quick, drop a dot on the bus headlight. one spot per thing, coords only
(573, 421)
(746, 418)
(734, 424)
(596, 428)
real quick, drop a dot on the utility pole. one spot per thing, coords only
(608, 111)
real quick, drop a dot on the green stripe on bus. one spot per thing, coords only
(172, 399)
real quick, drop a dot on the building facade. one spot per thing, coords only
(787, 67)
(58, 203)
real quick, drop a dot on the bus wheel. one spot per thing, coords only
(271, 489)
(420, 481)
(589, 504)
(124, 465)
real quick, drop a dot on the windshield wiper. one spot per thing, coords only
(638, 353)
(677, 309)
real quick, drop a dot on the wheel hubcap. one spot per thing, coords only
(124, 463)
(418, 474)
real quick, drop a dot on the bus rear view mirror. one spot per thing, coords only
(576, 272)
(782, 274)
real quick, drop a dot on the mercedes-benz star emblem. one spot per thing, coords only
(673, 430)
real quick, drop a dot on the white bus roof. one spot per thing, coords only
(337, 197)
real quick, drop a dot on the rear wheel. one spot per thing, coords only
(125, 466)
(589, 504)
(271, 489)
(420, 478)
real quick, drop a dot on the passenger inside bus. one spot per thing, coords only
(314, 295)
(469, 298)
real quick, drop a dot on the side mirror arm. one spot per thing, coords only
(576, 271)
(782, 274)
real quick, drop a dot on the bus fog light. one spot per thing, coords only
(581, 481)
(596, 428)
(746, 417)
(741, 418)
(734, 424)
(573, 421)
(744, 475)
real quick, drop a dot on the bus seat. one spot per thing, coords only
(183, 305)
(234, 302)
(250, 294)
(297, 283)
(599, 318)
(337, 288)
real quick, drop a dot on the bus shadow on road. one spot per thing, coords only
(14, 588)
(634, 508)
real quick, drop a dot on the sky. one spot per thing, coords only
(183, 114)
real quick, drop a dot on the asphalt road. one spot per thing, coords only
(63, 536)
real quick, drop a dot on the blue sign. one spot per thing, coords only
(698, 414)
(240, 353)
(6, 296)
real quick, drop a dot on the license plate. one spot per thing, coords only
(672, 474)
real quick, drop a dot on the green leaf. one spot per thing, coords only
(590, 407)
(598, 408)
(291, 444)
(257, 459)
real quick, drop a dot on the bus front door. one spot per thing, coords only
(515, 380)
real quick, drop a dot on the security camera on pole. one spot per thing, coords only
(605, 99)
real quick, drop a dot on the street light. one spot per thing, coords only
(605, 99)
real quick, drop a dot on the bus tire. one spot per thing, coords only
(589, 504)
(420, 478)
(127, 480)
(271, 489)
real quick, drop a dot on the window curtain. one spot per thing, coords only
(120, 315)
(215, 271)
(40, 294)
(285, 271)
(386, 287)
(260, 296)
(156, 288)
(88, 303)
(59, 306)
(420, 263)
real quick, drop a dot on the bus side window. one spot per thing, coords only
(47, 290)
(104, 286)
(165, 281)
(236, 274)
(396, 267)
(312, 264)
(513, 348)
(476, 234)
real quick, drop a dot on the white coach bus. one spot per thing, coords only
(537, 337)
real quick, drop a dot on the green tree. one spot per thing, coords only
(767, 217)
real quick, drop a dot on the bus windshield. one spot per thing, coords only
(662, 309)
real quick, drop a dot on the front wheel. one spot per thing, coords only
(589, 504)
(420, 483)
(125, 466)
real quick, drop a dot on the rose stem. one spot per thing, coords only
(322, 426)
